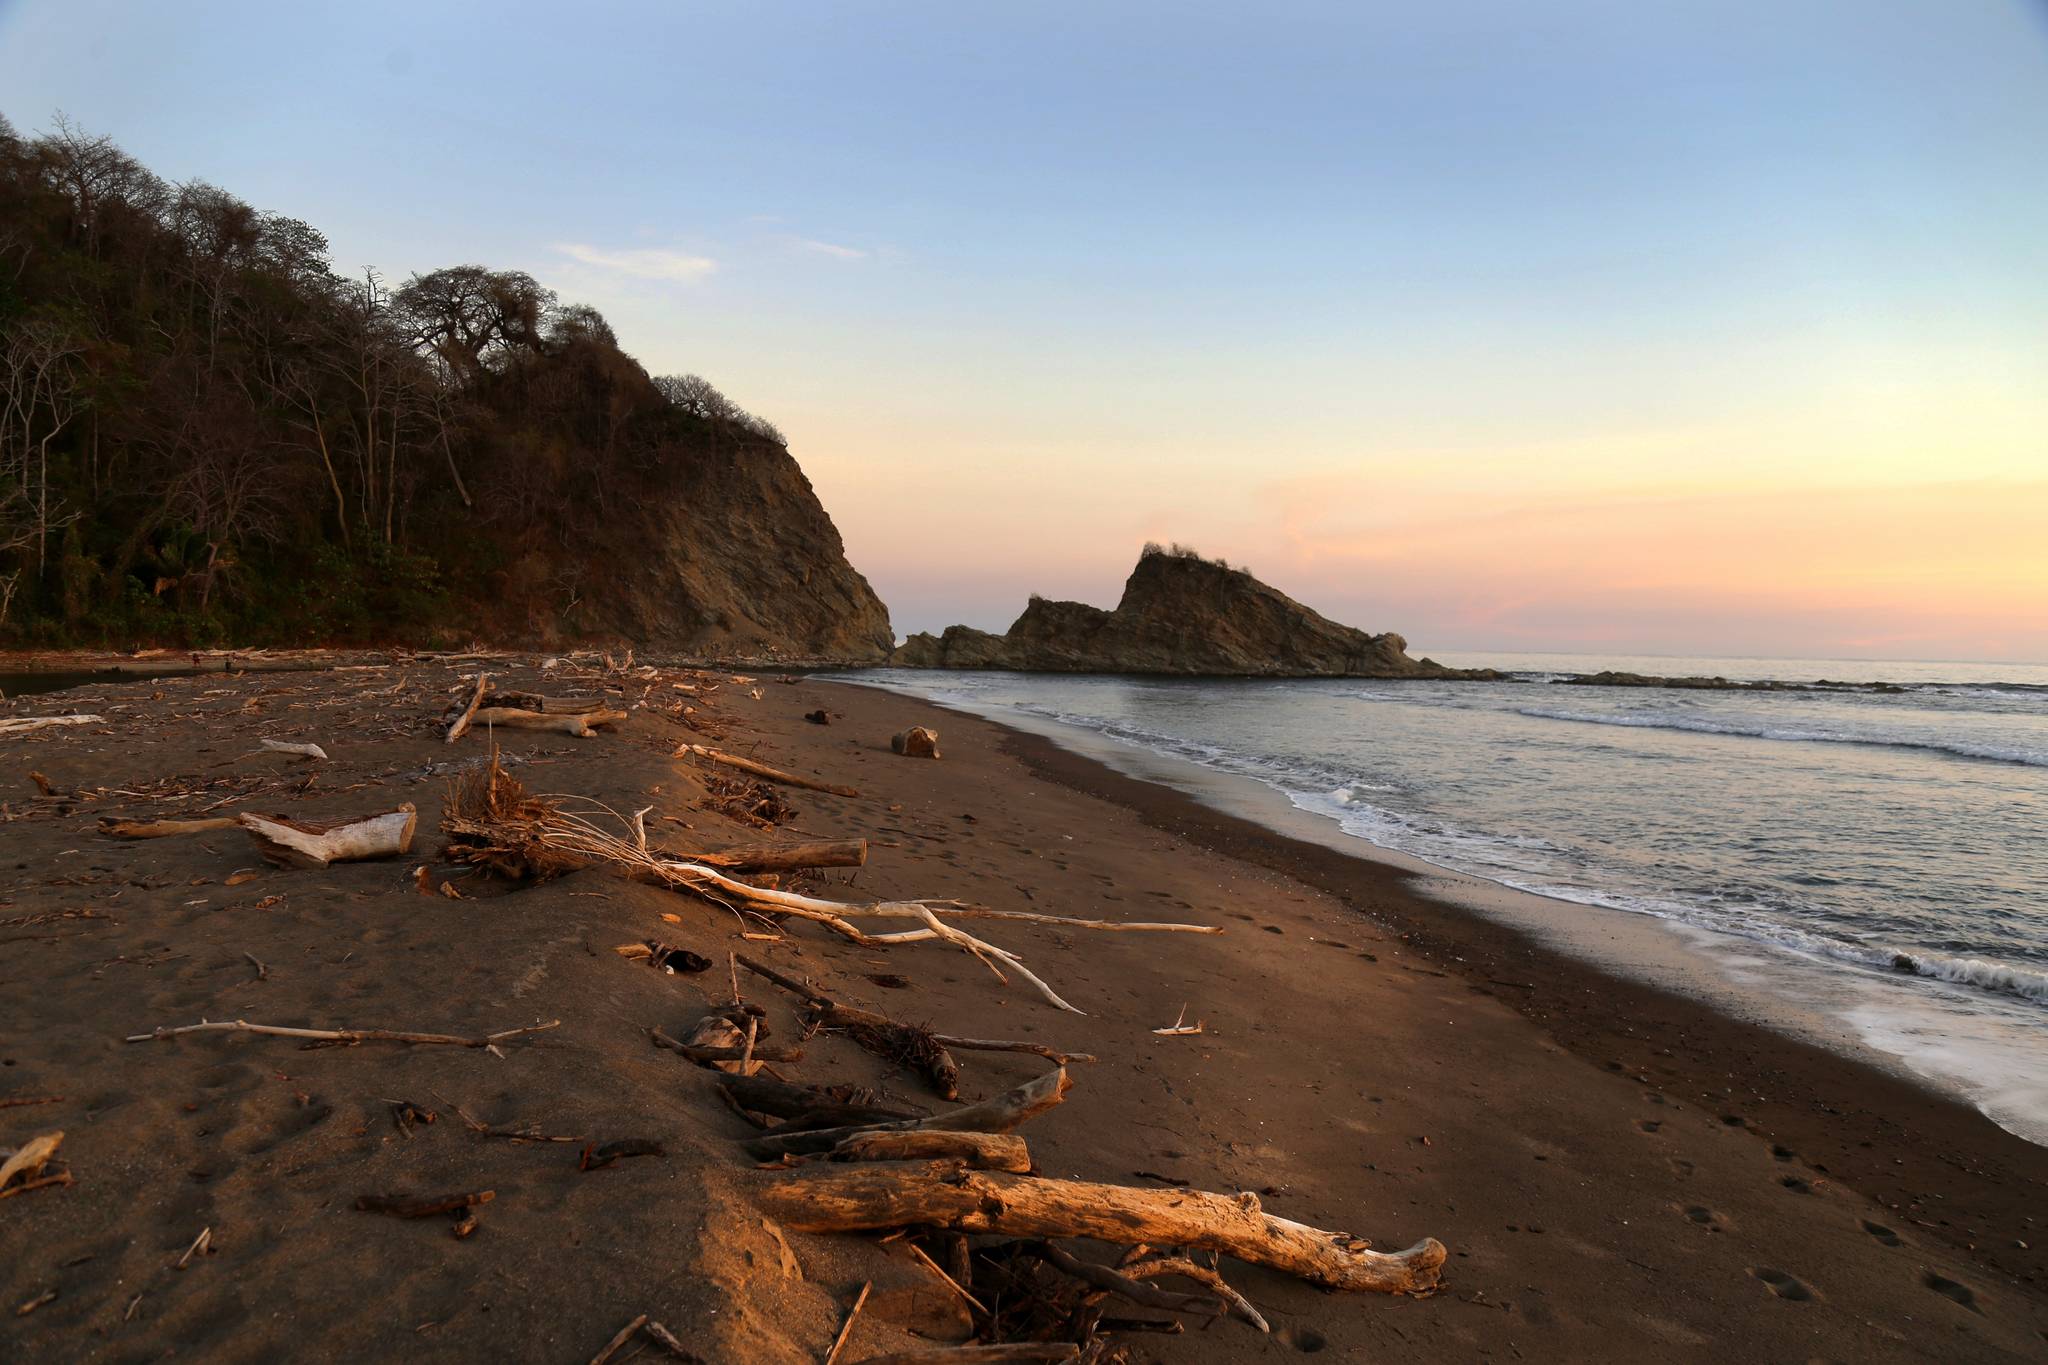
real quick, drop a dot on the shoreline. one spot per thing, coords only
(1892, 1135)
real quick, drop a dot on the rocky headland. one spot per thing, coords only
(1179, 614)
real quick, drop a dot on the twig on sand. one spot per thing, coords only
(1180, 1025)
(348, 1037)
(847, 1330)
(625, 1335)
(1180, 1265)
(668, 1340)
(199, 1246)
(748, 765)
(262, 972)
(972, 1302)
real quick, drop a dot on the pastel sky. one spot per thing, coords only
(1712, 327)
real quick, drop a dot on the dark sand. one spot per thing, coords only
(1373, 1062)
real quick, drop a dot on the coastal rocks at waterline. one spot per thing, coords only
(1179, 614)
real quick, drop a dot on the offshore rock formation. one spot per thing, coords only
(1180, 614)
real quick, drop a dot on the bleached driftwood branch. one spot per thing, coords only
(748, 765)
(292, 843)
(577, 724)
(351, 1036)
(22, 725)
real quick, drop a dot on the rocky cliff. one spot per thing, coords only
(1180, 614)
(740, 558)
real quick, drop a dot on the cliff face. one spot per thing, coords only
(742, 559)
(1179, 614)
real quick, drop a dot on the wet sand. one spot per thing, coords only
(1620, 1174)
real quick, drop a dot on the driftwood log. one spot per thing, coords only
(22, 725)
(291, 843)
(553, 706)
(349, 1036)
(786, 1100)
(460, 727)
(748, 765)
(163, 829)
(577, 724)
(983, 1151)
(999, 1115)
(860, 1197)
(291, 750)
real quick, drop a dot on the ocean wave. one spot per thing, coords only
(1346, 796)
(1994, 753)
(1761, 926)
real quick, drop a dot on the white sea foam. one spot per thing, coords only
(1637, 720)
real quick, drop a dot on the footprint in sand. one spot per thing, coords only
(1307, 1340)
(1951, 1289)
(1784, 1286)
(1707, 1218)
(1795, 1184)
(1881, 1233)
(1649, 1125)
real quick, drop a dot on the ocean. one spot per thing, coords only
(1878, 857)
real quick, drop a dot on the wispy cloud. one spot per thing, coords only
(648, 263)
(832, 249)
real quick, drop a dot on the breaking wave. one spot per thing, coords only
(1993, 753)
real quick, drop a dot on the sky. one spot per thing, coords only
(1693, 328)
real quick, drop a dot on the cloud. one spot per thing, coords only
(832, 249)
(649, 263)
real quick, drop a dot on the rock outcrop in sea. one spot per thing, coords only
(1179, 614)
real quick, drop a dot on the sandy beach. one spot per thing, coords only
(1618, 1173)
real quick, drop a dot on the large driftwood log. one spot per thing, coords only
(553, 706)
(860, 1197)
(999, 1115)
(748, 765)
(578, 725)
(290, 843)
(163, 829)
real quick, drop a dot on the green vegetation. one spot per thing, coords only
(208, 437)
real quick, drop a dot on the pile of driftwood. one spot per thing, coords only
(842, 1158)
(845, 1158)
(578, 716)
(491, 820)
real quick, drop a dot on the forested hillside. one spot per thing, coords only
(207, 436)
